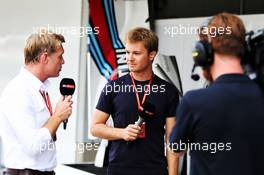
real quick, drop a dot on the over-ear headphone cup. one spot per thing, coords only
(203, 54)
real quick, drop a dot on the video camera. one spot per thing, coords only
(253, 61)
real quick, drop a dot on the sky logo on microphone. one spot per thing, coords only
(68, 86)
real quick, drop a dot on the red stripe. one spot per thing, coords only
(71, 86)
(99, 20)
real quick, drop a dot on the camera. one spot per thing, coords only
(253, 60)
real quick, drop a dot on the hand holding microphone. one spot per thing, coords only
(63, 108)
(132, 131)
(67, 88)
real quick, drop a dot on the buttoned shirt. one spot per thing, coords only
(27, 144)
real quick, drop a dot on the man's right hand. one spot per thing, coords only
(131, 132)
(62, 112)
(63, 108)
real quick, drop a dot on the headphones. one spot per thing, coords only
(203, 54)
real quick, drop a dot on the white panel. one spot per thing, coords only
(136, 13)
(18, 20)
(1, 155)
(177, 37)
(62, 170)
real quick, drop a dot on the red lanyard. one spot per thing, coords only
(47, 100)
(145, 92)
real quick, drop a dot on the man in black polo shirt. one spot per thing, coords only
(222, 125)
(138, 150)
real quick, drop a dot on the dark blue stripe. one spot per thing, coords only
(99, 53)
(111, 5)
(108, 16)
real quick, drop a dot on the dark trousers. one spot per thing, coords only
(9, 171)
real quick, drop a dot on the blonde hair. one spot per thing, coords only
(149, 38)
(43, 41)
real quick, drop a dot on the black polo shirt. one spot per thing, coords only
(223, 127)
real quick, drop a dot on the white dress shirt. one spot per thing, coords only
(27, 144)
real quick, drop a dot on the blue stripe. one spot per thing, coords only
(114, 24)
(110, 24)
(88, 41)
(101, 69)
(94, 56)
(99, 53)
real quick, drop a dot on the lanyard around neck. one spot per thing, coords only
(47, 100)
(140, 108)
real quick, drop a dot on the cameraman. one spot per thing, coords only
(228, 114)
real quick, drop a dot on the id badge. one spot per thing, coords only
(142, 134)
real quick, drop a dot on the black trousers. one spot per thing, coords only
(10, 171)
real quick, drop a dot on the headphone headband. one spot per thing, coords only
(202, 53)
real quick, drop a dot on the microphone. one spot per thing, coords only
(194, 76)
(148, 110)
(67, 87)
